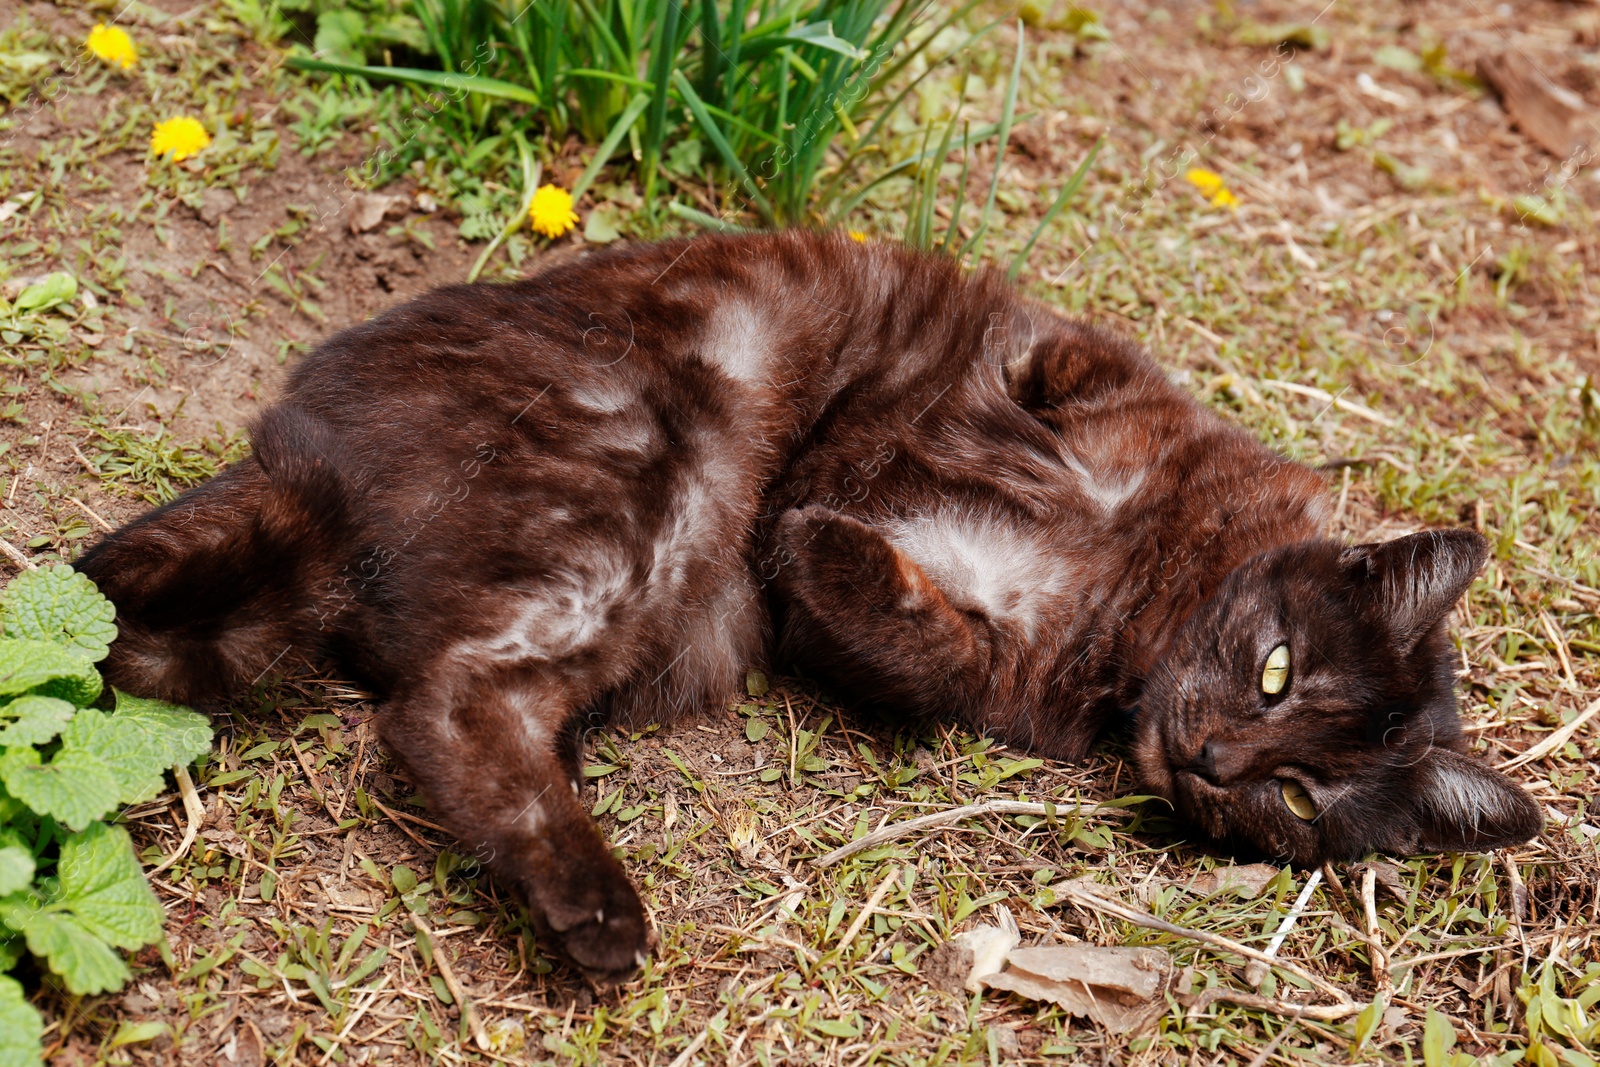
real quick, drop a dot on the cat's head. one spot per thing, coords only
(1307, 710)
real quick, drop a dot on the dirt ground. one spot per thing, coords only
(1379, 305)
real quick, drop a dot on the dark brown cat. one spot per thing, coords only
(603, 492)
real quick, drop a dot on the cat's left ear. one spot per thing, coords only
(1463, 805)
(1413, 581)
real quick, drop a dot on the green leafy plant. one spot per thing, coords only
(71, 891)
(787, 101)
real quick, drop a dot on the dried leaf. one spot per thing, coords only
(966, 960)
(369, 209)
(1245, 881)
(1123, 989)
(1388, 877)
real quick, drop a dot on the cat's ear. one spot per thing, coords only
(1463, 805)
(1413, 581)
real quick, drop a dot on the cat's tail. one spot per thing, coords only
(215, 588)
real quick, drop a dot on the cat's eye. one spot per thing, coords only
(1299, 801)
(1276, 674)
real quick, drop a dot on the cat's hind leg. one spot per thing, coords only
(215, 587)
(862, 613)
(496, 755)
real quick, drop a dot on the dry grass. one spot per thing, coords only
(291, 921)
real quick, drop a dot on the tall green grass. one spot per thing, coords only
(790, 100)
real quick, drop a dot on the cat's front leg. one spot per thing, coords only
(496, 756)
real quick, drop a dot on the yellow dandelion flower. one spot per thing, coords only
(1212, 187)
(1207, 181)
(859, 236)
(551, 211)
(112, 44)
(183, 137)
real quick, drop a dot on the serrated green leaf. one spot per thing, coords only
(47, 668)
(102, 883)
(75, 787)
(175, 734)
(135, 758)
(20, 1026)
(85, 963)
(11, 948)
(59, 604)
(16, 869)
(34, 720)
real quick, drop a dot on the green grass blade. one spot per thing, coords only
(610, 76)
(920, 199)
(961, 201)
(530, 183)
(711, 54)
(1008, 114)
(714, 134)
(700, 218)
(754, 131)
(815, 34)
(1065, 195)
(661, 75)
(622, 58)
(439, 79)
(619, 130)
(853, 199)
(870, 137)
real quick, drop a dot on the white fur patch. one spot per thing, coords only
(986, 562)
(738, 341)
(556, 619)
(1461, 798)
(1110, 466)
(1109, 490)
(604, 399)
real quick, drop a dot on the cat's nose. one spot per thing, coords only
(1204, 762)
(1217, 761)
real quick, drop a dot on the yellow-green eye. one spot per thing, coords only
(1299, 801)
(1276, 676)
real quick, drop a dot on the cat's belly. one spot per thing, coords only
(630, 585)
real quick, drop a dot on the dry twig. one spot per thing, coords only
(17, 556)
(1554, 741)
(1256, 972)
(474, 1021)
(196, 813)
(1087, 898)
(895, 831)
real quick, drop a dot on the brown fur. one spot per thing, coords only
(603, 492)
